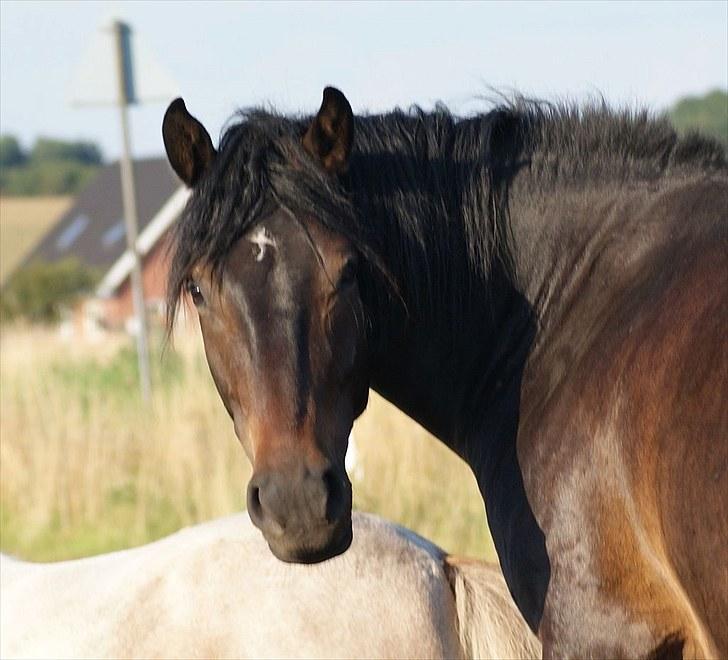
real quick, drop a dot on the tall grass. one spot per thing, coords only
(85, 468)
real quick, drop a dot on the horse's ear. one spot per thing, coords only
(188, 144)
(331, 133)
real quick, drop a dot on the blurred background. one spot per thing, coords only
(86, 466)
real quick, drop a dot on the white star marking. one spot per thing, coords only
(261, 238)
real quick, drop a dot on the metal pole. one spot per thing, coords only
(130, 215)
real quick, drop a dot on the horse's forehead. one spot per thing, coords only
(274, 241)
(272, 265)
(263, 239)
(283, 260)
(299, 243)
(280, 231)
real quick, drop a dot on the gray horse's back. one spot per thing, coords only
(215, 590)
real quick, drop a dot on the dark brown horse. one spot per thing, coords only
(544, 288)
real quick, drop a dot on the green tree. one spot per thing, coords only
(707, 114)
(46, 149)
(46, 178)
(53, 167)
(11, 153)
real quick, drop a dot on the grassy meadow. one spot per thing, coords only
(85, 468)
(23, 222)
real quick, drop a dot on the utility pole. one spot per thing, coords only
(118, 70)
(124, 77)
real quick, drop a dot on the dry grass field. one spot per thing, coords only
(85, 468)
(23, 221)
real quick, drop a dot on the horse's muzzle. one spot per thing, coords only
(305, 515)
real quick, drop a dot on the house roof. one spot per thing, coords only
(93, 229)
(146, 240)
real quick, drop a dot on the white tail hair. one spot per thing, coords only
(489, 623)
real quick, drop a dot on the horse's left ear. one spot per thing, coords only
(331, 133)
(188, 144)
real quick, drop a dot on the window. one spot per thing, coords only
(72, 232)
(113, 234)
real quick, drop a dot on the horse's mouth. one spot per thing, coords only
(306, 554)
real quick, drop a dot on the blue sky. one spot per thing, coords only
(225, 55)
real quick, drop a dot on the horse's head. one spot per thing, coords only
(277, 296)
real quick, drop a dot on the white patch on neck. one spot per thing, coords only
(261, 238)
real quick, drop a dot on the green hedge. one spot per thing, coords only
(40, 292)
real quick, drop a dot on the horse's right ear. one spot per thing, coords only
(330, 135)
(188, 144)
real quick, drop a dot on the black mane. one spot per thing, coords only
(426, 195)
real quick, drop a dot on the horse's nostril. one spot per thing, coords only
(335, 495)
(264, 505)
(255, 509)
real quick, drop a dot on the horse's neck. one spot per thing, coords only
(453, 378)
(467, 388)
(447, 376)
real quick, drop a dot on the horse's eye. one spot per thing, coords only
(195, 292)
(348, 273)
